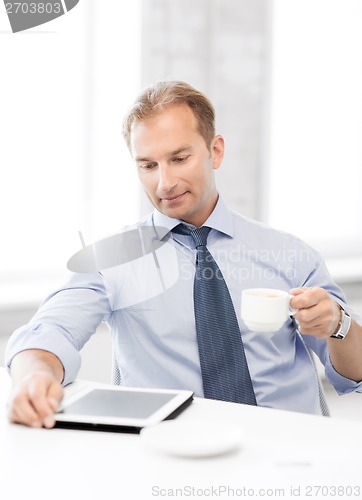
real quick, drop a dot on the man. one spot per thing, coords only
(170, 133)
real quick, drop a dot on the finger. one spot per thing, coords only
(326, 310)
(295, 302)
(309, 316)
(315, 332)
(38, 397)
(309, 298)
(34, 400)
(316, 321)
(296, 291)
(21, 411)
(55, 395)
(28, 418)
(303, 289)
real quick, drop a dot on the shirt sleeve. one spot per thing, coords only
(319, 275)
(64, 322)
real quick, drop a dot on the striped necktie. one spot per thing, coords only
(224, 368)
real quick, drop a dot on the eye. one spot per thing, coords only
(180, 159)
(147, 166)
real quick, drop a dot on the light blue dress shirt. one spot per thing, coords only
(149, 309)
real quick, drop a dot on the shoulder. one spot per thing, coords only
(147, 220)
(262, 237)
(250, 228)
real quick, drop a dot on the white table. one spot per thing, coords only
(284, 455)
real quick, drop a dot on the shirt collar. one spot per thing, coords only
(220, 219)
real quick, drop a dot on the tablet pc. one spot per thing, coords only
(120, 409)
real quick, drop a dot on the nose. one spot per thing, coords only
(167, 180)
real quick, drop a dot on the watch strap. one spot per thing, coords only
(343, 326)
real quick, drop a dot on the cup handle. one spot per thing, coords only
(292, 311)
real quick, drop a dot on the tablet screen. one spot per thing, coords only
(119, 404)
(119, 408)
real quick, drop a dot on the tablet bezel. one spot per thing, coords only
(181, 399)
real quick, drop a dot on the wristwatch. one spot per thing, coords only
(343, 325)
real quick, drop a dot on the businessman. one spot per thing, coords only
(175, 339)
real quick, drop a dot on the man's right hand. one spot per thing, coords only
(37, 389)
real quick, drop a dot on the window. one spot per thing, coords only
(315, 155)
(64, 167)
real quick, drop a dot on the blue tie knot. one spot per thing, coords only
(200, 236)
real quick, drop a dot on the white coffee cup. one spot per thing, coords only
(265, 309)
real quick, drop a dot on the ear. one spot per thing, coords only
(217, 151)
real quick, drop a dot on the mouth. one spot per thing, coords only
(173, 199)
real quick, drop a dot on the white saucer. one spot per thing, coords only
(192, 439)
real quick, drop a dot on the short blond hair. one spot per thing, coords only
(155, 98)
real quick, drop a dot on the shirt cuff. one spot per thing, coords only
(341, 384)
(46, 338)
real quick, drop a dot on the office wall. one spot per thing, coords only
(221, 47)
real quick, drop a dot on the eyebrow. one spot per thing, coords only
(183, 149)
